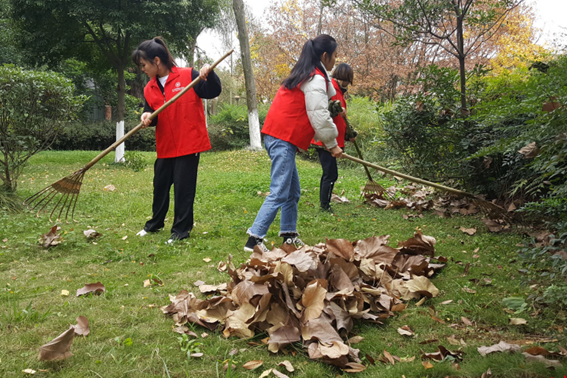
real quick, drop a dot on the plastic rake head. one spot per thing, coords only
(63, 193)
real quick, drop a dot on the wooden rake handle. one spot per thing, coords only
(152, 116)
(409, 178)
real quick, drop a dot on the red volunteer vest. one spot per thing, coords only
(287, 118)
(338, 120)
(181, 129)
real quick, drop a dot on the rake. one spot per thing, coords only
(371, 185)
(490, 207)
(65, 192)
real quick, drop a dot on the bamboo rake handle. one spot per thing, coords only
(410, 178)
(152, 116)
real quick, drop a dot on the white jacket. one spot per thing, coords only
(318, 92)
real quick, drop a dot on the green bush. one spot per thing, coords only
(34, 108)
(511, 116)
(99, 135)
(425, 132)
(228, 129)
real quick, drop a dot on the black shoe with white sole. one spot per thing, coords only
(253, 242)
(292, 239)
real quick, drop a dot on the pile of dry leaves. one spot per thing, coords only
(314, 294)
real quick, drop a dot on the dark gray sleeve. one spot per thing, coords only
(207, 89)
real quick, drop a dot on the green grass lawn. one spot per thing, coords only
(130, 337)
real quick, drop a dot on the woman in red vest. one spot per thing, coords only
(181, 132)
(342, 77)
(298, 114)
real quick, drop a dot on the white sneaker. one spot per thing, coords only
(142, 233)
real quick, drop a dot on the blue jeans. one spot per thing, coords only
(284, 190)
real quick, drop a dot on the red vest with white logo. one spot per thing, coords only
(338, 120)
(181, 129)
(287, 118)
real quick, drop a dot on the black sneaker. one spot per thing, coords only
(292, 239)
(253, 242)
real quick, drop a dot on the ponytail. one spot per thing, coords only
(151, 48)
(310, 59)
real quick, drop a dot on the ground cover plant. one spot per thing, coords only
(480, 290)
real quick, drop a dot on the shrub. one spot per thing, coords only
(35, 106)
(228, 129)
(425, 131)
(99, 135)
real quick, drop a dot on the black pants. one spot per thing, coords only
(181, 172)
(329, 177)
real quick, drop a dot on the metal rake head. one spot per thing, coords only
(65, 192)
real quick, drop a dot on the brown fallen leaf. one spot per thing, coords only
(51, 238)
(92, 234)
(447, 302)
(355, 339)
(492, 225)
(468, 231)
(354, 367)
(468, 290)
(530, 151)
(518, 321)
(487, 374)
(437, 319)
(82, 327)
(109, 188)
(542, 359)
(95, 288)
(289, 367)
(452, 340)
(502, 346)
(279, 374)
(251, 365)
(265, 373)
(466, 321)
(406, 331)
(389, 357)
(207, 259)
(58, 348)
(427, 365)
(222, 266)
(212, 288)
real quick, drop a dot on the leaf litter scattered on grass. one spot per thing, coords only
(95, 288)
(314, 294)
(59, 347)
(502, 346)
(51, 238)
(82, 327)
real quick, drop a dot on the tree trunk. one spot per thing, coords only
(251, 100)
(121, 108)
(462, 68)
(190, 56)
(320, 24)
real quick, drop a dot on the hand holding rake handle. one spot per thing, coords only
(69, 187)
(487, 205)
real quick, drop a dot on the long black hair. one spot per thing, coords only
(151, 48)
(309, 59)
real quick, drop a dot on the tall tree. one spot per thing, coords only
(460, 27)
(251, 99)
(57, 29)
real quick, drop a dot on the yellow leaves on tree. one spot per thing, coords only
(516, 44)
